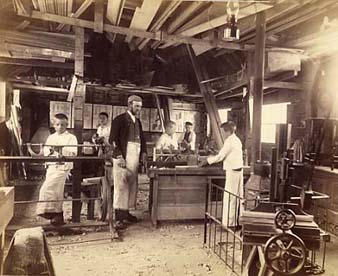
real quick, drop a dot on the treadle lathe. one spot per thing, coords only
(279, 237)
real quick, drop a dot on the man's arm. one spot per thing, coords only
(114, 134)
(159, 143)
(223, 153)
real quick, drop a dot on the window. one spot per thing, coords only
(223, 114)
(272, 114)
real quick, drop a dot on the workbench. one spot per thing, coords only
(180, 193)
(6, 214)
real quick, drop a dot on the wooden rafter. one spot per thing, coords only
(208, 97)
(98, 16)
(172, 6)
(144, 15)
(114, 14)
(85, 5)
(219, 21)
(160, 36)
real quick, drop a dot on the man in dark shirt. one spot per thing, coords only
(129, 145)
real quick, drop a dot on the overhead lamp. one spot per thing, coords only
(231, 31)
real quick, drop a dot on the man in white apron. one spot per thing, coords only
(232, 156)
(129, 144)
(53, 187)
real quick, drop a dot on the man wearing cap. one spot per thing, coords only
(129, 144)
(231, 155)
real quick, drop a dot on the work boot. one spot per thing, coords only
(129, 217)
(57, 220)
(119, 216)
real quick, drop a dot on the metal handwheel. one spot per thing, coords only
(285, 219)
(285, 254)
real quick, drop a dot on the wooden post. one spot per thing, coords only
(158, 105)
(78, 101)
(3, 101)
(208, 97)
(258, 82)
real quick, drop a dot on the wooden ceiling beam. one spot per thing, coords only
(84, 6)
(37, 51)
(221, 20)
(181, 18)
(172, 6)
(143, 16)
(35, 63)
(114, 14)
(160, 36)
(98, 16)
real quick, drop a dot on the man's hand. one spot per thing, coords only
(203, 163)
(122, 162)
(144, 159)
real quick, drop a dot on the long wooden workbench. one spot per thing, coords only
(180, 193)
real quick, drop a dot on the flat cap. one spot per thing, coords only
(134, 98)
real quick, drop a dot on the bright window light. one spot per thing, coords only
(223, 114)
(272, 114)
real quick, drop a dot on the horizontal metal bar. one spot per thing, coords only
(60, 200)
(224, 190)
(50, 158)
(62, 146)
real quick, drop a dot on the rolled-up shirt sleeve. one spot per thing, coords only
(223, 153)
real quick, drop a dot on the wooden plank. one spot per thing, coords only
(158, 106)
(160, 36)
(184, 16)
(79, 100)
(84, 6)
(258, 83)
(114, 14)
(38, 51)
(35, 63)
(283, 85)
(208, 97)
(98, 16)
(156, 26)
(40, 88)
(219, 21)
(184, 211)
(144, 15)
(23, 25)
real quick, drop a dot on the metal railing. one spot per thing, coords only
(223, 239)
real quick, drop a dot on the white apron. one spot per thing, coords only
(233, 184)
(52, 189)
(125, 179)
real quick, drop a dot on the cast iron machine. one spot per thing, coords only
(279, 237)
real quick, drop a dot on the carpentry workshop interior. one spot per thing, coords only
(168, 137)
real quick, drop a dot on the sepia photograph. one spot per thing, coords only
(168, 137)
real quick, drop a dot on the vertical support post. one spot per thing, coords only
(78, 101)
(158, 105)
(168, 108)
(208, 97)
(4, 101)
(258, 82)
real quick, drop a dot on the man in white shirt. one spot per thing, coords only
(232, 156)
(53, 187)
(188, 141)
(168, 140)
